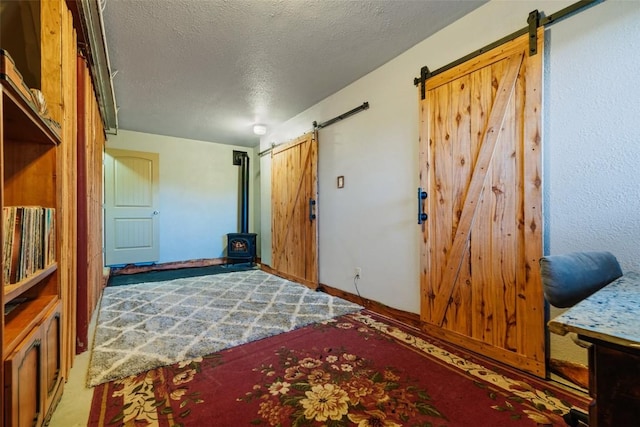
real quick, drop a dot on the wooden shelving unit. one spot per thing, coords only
(58, 167)
(26, 315)
(32, 330)
(14, 290)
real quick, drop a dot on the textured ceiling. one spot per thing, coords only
(210, 69)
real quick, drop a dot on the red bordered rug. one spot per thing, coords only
(357, 370)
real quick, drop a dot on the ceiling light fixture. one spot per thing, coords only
(259, 129)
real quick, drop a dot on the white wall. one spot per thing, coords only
(198, 193)
(592, 143)
(593, 133)
(591, 179)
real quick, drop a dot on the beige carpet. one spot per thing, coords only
(147, 325)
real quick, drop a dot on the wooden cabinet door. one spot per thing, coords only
(33, 373)
(23, 383)
(481, 165)
(294, 251)
(51, 355)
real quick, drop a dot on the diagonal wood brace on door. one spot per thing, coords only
(476, 184)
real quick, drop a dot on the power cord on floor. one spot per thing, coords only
(355, 284)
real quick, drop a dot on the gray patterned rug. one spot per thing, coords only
(146, 325)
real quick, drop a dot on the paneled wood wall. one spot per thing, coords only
(91, 141)
(80, 282)
(58, 67)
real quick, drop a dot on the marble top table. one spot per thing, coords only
(612, 314)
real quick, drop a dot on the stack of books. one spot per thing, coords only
(29, 241)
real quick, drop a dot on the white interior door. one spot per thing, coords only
(131, 207)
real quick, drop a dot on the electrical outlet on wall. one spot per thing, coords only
(357, 273)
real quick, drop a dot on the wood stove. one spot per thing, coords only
(241, 247)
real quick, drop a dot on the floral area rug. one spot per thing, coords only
(357, 370)
(146, 325)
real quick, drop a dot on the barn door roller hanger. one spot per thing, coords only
(534, 21)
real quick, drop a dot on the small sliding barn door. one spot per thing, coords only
(293, 197)
(480, 160)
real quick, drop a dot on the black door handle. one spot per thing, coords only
(422, 217)
(312, 214)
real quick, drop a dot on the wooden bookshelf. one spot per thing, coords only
(31, 328)
(24, 319)
(51, 158)
(14, 290)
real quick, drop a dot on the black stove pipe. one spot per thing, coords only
(244, 197)
(241, 158)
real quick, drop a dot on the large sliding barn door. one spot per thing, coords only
(294, 251)
(481, 167)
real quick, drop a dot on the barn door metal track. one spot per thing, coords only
(364, 106)
(534, 21)
(316, 125)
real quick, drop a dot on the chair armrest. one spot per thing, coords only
(568, 279)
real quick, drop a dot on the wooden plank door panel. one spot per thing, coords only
(294, 231)
(480, 163)
(454, 257)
